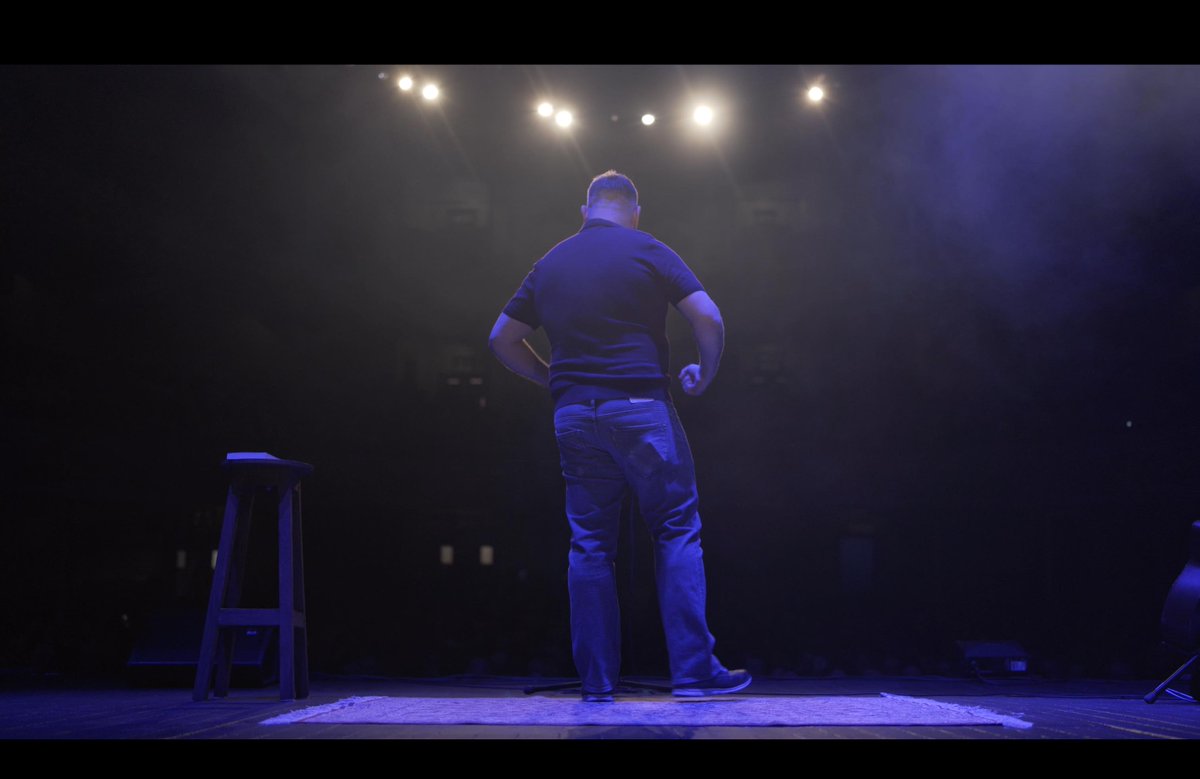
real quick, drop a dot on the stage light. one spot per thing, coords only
(815, 94)
(647, 119)
(406, 83)
(564, 118)
(703, 115)
(430, 92)
(545, 110)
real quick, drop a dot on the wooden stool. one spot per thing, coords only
(251, 474)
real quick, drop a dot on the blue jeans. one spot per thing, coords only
(604, 446)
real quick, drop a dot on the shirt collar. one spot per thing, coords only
(594, 222)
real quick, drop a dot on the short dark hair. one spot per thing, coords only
(613, 187)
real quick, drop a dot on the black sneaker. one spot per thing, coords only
(598, 697)
(726, 681)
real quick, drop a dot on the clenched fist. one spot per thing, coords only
(690, 378)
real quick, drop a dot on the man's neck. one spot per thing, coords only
(622, 218)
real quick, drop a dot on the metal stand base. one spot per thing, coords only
(1165, 686)
(622, 686)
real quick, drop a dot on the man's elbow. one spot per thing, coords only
(709, 318)
(715, 317)
(496, 337)
(503, 343)
(496, 344)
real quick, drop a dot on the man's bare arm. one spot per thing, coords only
(508, 343)
(709, 330)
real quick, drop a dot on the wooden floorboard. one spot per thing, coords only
(1058, 710)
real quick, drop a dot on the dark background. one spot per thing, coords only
(958, 399)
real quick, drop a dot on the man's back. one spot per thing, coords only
(602, 297)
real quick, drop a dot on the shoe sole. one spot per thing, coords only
(699, 692)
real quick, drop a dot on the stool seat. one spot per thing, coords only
(263, 469)
(252, 474)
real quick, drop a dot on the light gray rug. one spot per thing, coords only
(736, 711)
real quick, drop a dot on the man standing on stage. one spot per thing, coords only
(602, 297)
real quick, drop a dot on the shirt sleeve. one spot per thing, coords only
(522, 307)
(675, 277)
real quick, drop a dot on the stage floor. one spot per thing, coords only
(1056, 709)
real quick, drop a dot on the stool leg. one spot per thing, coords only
(227, 636)
(223, 662)
(287, 613)
(301, 608)
(208, 645)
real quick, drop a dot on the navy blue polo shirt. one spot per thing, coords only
(602, 297)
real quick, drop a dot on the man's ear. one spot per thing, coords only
(583, 211)
(637, 214)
